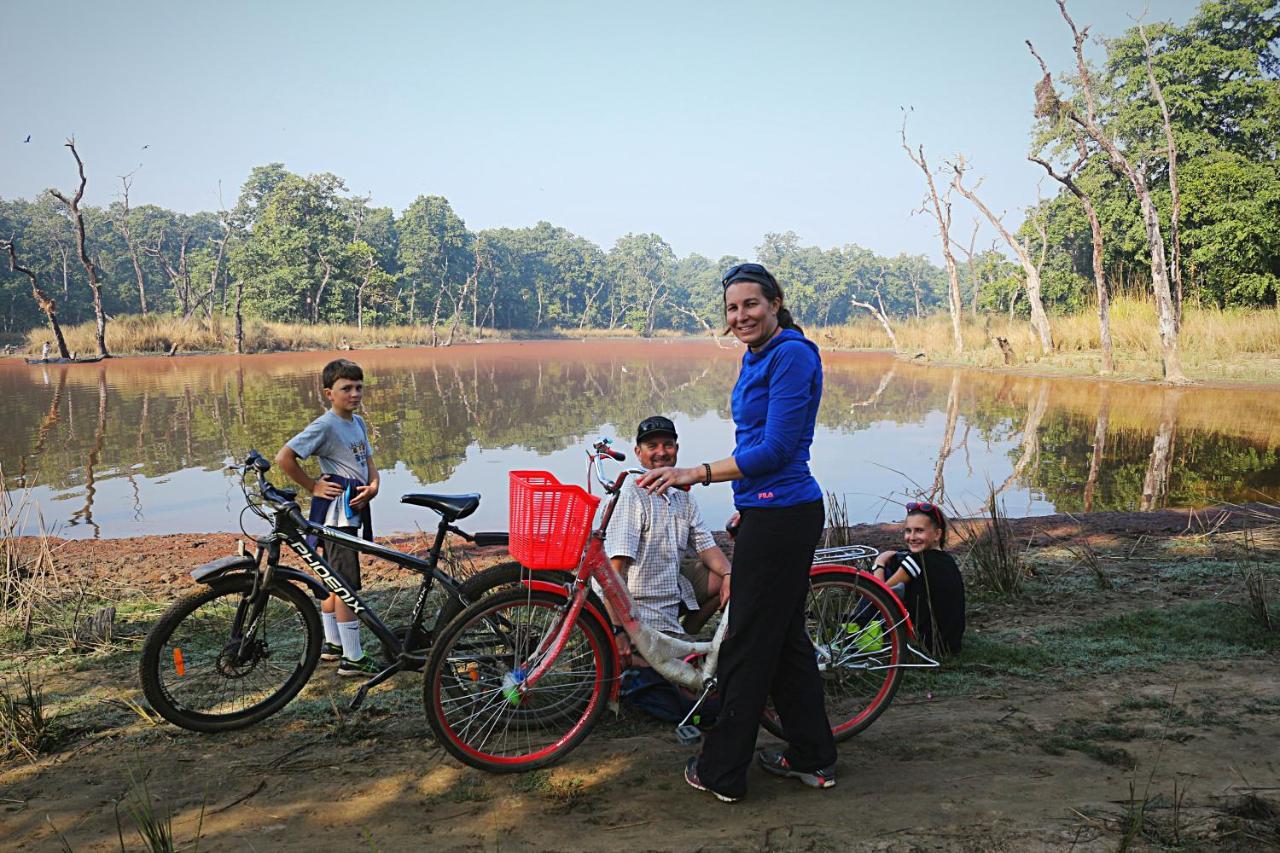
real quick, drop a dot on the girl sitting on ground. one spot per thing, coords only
(927, 579)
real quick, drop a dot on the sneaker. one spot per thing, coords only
(365, 666)
(330, 651)
(777, 764)
(691, 776)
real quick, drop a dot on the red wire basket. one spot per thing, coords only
(549, 521)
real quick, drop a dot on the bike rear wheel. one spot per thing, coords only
(208, 666)
(469, 688)
(859, 636)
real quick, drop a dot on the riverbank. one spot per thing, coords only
(1219, 346)
(1126, 693)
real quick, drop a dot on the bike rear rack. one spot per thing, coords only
(843, 554)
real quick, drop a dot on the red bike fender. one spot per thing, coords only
(615, 677)
(835, 568)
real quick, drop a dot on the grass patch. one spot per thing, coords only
(1140, 639)
(1091, 738)
(28, 726)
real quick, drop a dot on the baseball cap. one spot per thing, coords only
(654, 425)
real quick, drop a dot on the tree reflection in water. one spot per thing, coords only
(457, 419)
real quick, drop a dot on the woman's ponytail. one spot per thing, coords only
(786, 321)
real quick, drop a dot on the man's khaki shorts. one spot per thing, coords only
(699, 576)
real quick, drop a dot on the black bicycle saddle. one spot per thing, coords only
(451, 507)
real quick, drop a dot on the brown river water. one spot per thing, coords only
(137, 446)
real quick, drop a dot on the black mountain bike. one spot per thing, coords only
(238, 650)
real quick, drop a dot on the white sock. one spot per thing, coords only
(331, 634)
(350, 632)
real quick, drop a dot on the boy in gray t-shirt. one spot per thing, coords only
(340, 499)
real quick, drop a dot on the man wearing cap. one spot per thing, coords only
(650, 540)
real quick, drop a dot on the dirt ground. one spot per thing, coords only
(1168, 751)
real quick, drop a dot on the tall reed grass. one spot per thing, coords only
(162, 333)
(1215, 343)
(1213, 340)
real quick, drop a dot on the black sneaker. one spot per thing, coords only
(777, 764)
(330, 651)
(366, 665)
(691, 776)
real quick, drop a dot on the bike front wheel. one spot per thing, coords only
(213, 664)
(473, 692)
(860, 637)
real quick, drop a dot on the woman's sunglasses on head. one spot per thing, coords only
(748, 272)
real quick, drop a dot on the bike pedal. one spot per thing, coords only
(688, 735)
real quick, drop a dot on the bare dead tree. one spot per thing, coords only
(1136, 175)
(969, 258)
(122, 222)
(941, 212)
(47, 305)
(371, 264)
(73, 206)
(473, 281)
(324, 282)
(689, 312)
(180, 276)
(878, 312)
(1046, 108)
(217, 267)
(239, 314)
(1171, 151)
(1039, 320)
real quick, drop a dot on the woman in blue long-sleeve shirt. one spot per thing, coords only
(767, 652)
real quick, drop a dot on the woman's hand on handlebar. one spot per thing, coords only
(659, 480)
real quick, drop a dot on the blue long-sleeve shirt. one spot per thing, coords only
(775, 408)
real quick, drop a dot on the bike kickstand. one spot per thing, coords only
(359, 698)
(688, 734)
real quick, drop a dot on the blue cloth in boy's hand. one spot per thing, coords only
(348, 512)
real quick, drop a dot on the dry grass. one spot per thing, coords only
(1216, 343)
(1232, 343)
(158, 333)
(995, 559)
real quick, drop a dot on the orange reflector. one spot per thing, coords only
(473, 671)
(178, 663)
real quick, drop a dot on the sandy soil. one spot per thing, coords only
(970, 771)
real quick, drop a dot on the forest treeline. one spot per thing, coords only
(1175, 130)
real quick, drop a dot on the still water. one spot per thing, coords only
(137, 446)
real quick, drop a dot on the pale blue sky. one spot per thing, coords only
(708, 123)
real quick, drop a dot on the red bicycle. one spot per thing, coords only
(517, 680)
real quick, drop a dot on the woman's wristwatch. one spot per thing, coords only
(706, 479)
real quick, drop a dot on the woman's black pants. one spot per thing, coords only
(766, 652)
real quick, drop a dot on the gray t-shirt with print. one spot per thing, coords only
(341, 446)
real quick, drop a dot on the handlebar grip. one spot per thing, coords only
(615, 455)
(257, 461)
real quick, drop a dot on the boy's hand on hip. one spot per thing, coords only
(363, 495)
(325, 488)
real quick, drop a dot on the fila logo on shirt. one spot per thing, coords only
(764, 496)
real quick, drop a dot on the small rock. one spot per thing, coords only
(198, 543)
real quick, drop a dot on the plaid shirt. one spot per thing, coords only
(656, 532)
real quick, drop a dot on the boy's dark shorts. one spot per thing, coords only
(343, 559)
